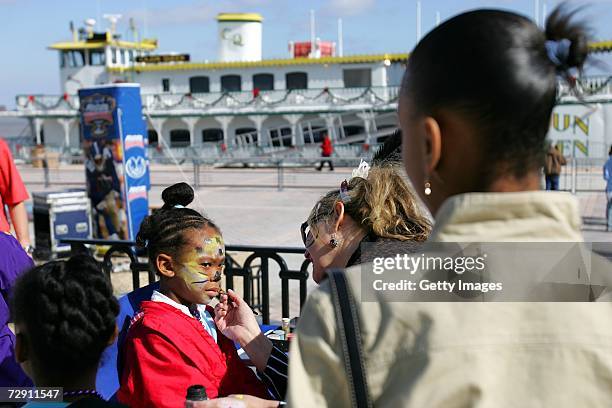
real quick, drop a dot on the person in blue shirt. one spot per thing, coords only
(607, 173)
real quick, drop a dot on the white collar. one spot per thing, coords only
(160, 297)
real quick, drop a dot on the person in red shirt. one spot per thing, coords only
(13, 195)
(13, 261)
(326, 151)
(173, 341)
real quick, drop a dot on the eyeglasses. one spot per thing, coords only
(307, 237)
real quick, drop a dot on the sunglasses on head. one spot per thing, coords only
(307, 236)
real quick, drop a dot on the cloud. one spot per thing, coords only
(350, 7)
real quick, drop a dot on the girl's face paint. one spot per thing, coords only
(200, 266)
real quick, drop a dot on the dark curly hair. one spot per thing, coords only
(162, 231)
(68, 311)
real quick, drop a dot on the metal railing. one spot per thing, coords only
(375, 95)
(255, 270)
(582, 175)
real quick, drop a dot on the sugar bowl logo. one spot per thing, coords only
(97, 111)
(136, 167)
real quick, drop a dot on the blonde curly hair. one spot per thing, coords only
(383, 205)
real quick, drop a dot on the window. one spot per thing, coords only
(212, 135)
(199, 84)
(153, 137)
(231, 83)
(166, 85)
(75, 58)
(248, 135)
(316, 136)
(263, 82)
(114, 55)
(63, 56)
(284, 139)
(352, 130)
(296, 80)
(179, 138)
(97, 57)
(357, 77)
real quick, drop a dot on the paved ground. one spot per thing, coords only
(250, 210)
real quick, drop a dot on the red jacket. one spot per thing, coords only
(326, 147)
(167, 351)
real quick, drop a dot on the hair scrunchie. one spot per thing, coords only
(558, 51)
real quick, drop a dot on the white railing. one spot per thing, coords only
(234, 100)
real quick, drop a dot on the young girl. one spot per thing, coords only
(64, 314)
(173, 342)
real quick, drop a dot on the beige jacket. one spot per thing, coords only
(467, 354)
(553, 162)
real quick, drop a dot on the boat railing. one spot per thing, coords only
(243, 99)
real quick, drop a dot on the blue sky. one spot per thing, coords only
(27, 27)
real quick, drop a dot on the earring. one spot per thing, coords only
(427, 188)
(333, 241)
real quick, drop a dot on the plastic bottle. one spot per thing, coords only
(285, 327)
(195, 393)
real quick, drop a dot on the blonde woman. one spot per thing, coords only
(376, 208)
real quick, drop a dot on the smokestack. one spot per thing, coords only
(340, 39)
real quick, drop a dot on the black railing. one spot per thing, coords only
(259, 297)
(256, 275)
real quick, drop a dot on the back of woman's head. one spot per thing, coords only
(499, 71)
(67, 311)
(163, 230)
(382, 204)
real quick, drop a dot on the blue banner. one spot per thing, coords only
(115, 133)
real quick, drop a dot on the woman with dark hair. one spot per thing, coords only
(475, 108)
(64, 314)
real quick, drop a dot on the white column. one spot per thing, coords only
(158, 126)
(35, 125)
(191, 122)
(368, 122)
(262, 139)
(65, 123)
(297, 138)
(329, 123)
(225, 121)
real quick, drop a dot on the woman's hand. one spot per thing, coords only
(235, 319)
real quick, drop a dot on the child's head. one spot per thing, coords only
(185, 248)
(477, 98)
(64, 314)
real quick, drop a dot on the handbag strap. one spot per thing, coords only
(350, 338)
